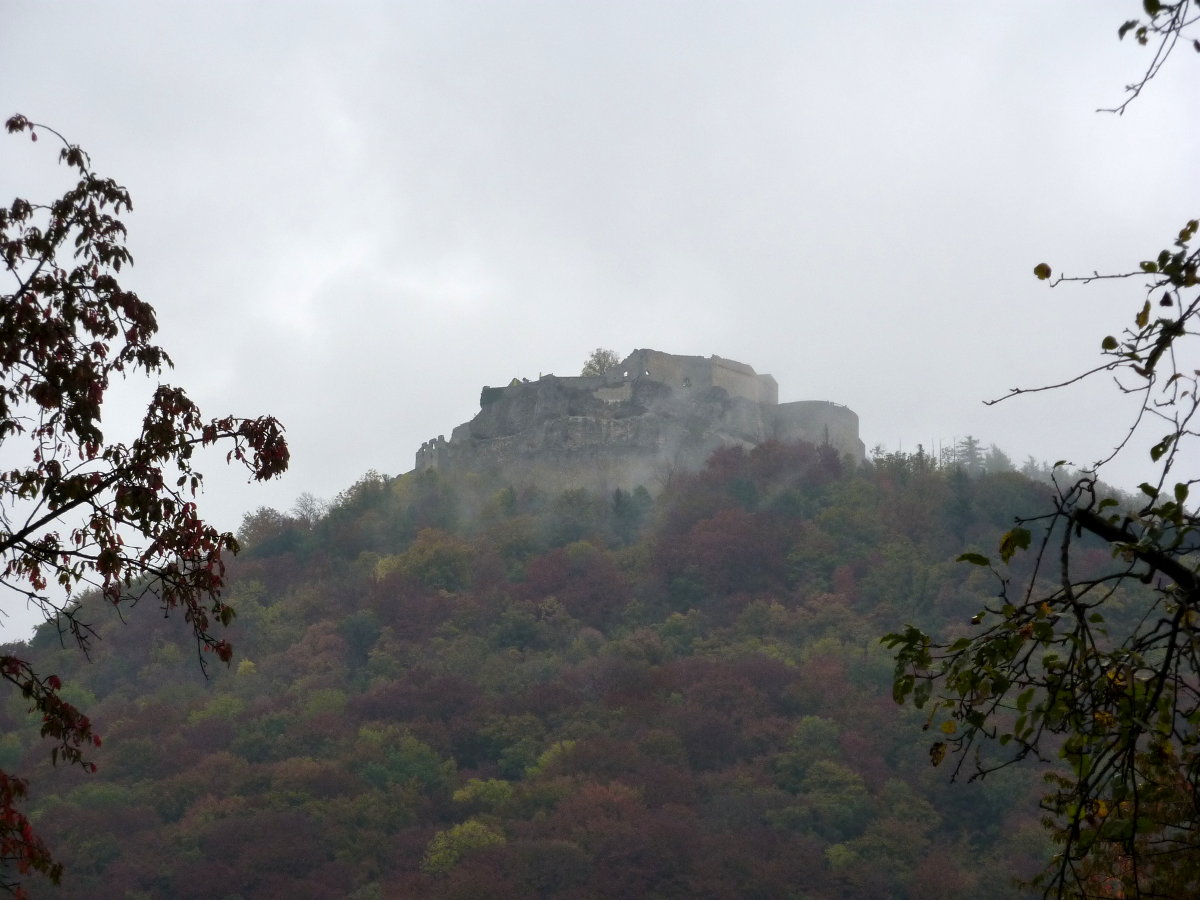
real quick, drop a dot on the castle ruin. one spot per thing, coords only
(634, 425)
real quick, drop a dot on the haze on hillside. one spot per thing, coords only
(448, 687)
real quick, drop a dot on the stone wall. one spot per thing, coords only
(698, 373)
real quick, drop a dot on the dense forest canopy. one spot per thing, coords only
(463, 689)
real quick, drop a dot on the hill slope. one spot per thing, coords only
(459, 689)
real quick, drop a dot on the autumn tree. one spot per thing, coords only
(600, 361)
(80, 511)
(1099, 668)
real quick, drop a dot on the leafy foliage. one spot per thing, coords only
(84, 511)
(1088, 655)
(600, 361)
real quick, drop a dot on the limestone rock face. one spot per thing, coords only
(634, 425)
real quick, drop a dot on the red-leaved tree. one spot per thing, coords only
(80, 512)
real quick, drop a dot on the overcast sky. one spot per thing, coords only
(354, 215)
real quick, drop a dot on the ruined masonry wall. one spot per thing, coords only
(819, 422)
(652, 412)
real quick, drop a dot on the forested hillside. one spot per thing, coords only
(464, 690)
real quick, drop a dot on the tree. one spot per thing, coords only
(600, 361)
(996, 460)
(85, 512)
(968, 455)
(451, 845)
(1098, 667)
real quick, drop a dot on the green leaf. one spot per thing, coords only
(1014, 540)
(1143, 318)
(1148, 489)
(1181, 493)
(921, 693)
(1149, 266)
(1042, 271)
(975, 559)
(1109, 343)
(1126, 28)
